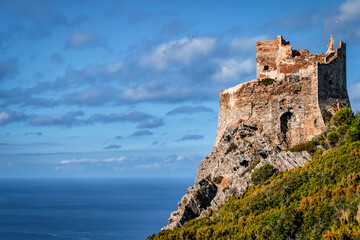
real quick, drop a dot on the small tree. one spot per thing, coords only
(344, 116)
(263, 173)
(354, 133)
(333, 137)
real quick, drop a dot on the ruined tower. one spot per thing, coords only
(290, 101)
(294, 95)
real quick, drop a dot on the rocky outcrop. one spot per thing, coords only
(226, 171)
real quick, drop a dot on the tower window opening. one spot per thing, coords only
(285, 125)
(266, 67)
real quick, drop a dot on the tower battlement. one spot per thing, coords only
(276, 59)
(293, 96)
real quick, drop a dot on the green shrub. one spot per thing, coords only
(342, 129)
(344, 116)
(263, 173)
(251, 167)
(333, 137)
(309, 146)
(317, 201)
(354, 133)
(267, 81)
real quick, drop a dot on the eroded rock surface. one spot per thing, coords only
(226, 171)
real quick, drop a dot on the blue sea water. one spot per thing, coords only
(86, 209)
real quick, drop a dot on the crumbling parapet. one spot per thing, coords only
(295, 85)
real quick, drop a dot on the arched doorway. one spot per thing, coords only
(284, 127)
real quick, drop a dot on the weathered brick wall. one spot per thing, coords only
(291, 109)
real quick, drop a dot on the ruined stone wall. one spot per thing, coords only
(266, 54)
(332, 82)
(290, 110)
(277, 108)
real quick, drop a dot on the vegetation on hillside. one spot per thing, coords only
(318, 201)
(260, 175)
(267, 81)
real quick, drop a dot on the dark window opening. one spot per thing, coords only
(284, 121)
(296, 53)
(263, 155)
(244, 163)
(266, 68)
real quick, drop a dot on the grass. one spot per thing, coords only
(318, 201)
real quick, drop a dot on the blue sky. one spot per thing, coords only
(131, 88)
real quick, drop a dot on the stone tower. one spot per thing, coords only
(294, 95)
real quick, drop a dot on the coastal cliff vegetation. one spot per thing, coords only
(320, 200)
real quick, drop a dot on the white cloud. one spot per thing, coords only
(180, 51)
(149, 165)
(76, 160)
(144, 93)
(246, 44)
(114, 67)
(345, 24)
(120, 159)
(4, 117)
(349, 11)
(233, 68)
(10, 116)
(354, 91)
(92, 160)
(82, 40)
(180, 158)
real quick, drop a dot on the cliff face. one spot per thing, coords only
(318, 201)
(284, 106)
(226, 171)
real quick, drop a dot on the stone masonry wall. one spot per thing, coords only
(293, 109)
(332, 81)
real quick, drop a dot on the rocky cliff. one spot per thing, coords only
(259, 119)
(226, 171)
(320, 200)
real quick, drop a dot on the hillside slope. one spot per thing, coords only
(318, 201)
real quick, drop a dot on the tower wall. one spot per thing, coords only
(291, 109)
(266, 54)
(332, 82)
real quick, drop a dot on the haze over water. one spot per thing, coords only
(86, 209)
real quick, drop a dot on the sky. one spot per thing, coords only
(131, 88)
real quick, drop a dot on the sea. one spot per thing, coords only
(87, 209)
